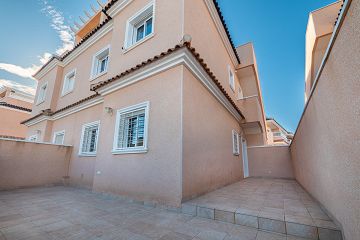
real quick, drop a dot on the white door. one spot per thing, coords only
(245, 157)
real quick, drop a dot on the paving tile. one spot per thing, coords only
(329, 234)
(271, 225)
(188, 209)
(224, 216)
(325, 224)
(270, 236)
(176, 236)
(246, 220)
(300, 230)
(211, 235)
(205, 212)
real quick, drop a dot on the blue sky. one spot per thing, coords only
(37, 28)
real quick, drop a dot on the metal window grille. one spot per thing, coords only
(89, 139)
(131, 129)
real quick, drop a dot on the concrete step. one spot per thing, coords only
(296, 225)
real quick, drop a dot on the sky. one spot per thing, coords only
(32, 30)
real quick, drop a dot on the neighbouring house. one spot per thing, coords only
(318, 35)
(155, 99)
(276, 133)
(15, 107)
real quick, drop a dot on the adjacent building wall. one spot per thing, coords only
(10, 122)
(325, 149)
(208, 160)
(25, 164)
(270, 161)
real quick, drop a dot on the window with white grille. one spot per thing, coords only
(33, 138)
(59, 137)
(100, 62)
(236, 146)
(131, 129)
(69, 82)
(42, 93)
(89, 138)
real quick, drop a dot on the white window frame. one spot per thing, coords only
(142, 149)
(95, 63)
(140, 17)
(240, 92)
(236, 146)
(62, 132)
(38, 101)
(231, 79)
(81, 153)
(66, 79)
(33, 138)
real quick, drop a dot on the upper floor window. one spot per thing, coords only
(89, 139)
(59, 137)
(235, 140)
(100, 63)
(42, 93)
(231, 79)
(140, 26)
(69, 82)
(131, 129)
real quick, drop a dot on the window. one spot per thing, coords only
(100, 63)
(131, 129)
(69, 82)
(59, 137)
(89, 138)
(240, 93)
(140, 26)
(42, 93)
(33, 138)
(231, 79)
(235, 140)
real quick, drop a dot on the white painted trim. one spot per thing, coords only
(221, 30)
(90, 154)
(180, 57)
(93, 76)
(38, 102)
(26, 141)
(14, 109)
(57, 133)
(231, 79)
(63, 93)
(118, 7)
(265, 146)
(23, 97)
(143, 149)
(234, 132)
(148, 37)
(93, 39)
(129, 29)
(65, 113)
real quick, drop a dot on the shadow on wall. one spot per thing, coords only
(28, 164)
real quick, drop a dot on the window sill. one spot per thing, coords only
(129, 151)
(38, 103)
(66, 93)
(87, 154)
(129, 48)
(97, 76)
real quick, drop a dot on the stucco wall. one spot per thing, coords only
(156, 174)
(270, 161)
(208, 160)
(325, 149)
(10, 122)
(25, 164)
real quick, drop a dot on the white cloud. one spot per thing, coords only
(18, 70)
(45, 57)
(21, 87)
(58, 24)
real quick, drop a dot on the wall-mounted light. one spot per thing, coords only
(109, 110)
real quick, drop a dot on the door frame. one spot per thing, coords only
(245, 157)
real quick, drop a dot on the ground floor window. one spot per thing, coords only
(235, 140)
(89, 138)
(131, 129)
(33, 138)
(59, 137)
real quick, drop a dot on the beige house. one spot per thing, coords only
(15, 107)
(155, 99)
(277, 134)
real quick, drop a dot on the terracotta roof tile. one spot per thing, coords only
(14, 106)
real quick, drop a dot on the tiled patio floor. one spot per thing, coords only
(275, 205)
(68, 213)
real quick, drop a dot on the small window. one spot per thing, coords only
(235, 140)
(131, 129)
(42, 93)
(59, 137)
(33, 138)
(69, 82)
(100, 63)
(89, 138)
(140, 26)
(231, 79)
